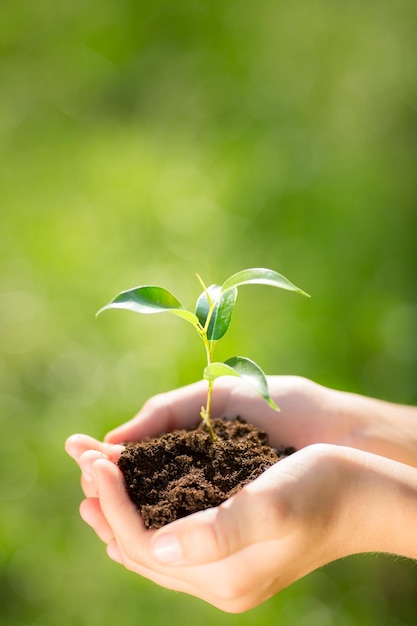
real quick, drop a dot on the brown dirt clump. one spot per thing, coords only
(184, 471)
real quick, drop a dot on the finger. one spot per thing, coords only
(118, 509)
(92, 514)
(88, 487)
(175, 409)
(85, 450)
(88, 458)
(77, 444)
(88, 477)
(113, 552)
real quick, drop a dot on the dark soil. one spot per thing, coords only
(184, 471)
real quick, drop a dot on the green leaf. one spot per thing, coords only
(150, 299)
(203, 305)
(260, 276)
(243, 368)
(222, 313)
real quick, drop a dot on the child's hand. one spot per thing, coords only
(313, 507)
(310, 413)
(303, 418)
(332, 498)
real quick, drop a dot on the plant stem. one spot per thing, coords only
(205, 411)
(209, 345)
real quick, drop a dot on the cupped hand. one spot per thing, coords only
(310, 413)
(306, 412)
(288, 522)
(305, 417)
(323, 502)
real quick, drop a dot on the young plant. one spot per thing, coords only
(211, 319)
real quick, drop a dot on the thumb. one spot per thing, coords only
(251, 516)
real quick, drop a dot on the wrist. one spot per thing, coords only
(380, 508)
(373, 425)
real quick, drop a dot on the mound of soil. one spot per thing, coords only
(184, 471)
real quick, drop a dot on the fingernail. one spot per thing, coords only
(167, 549)
(115, 452)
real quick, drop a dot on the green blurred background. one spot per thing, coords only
(142, 142)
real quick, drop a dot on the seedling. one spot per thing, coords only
(211, 319)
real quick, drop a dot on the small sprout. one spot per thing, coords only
(211, 319)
